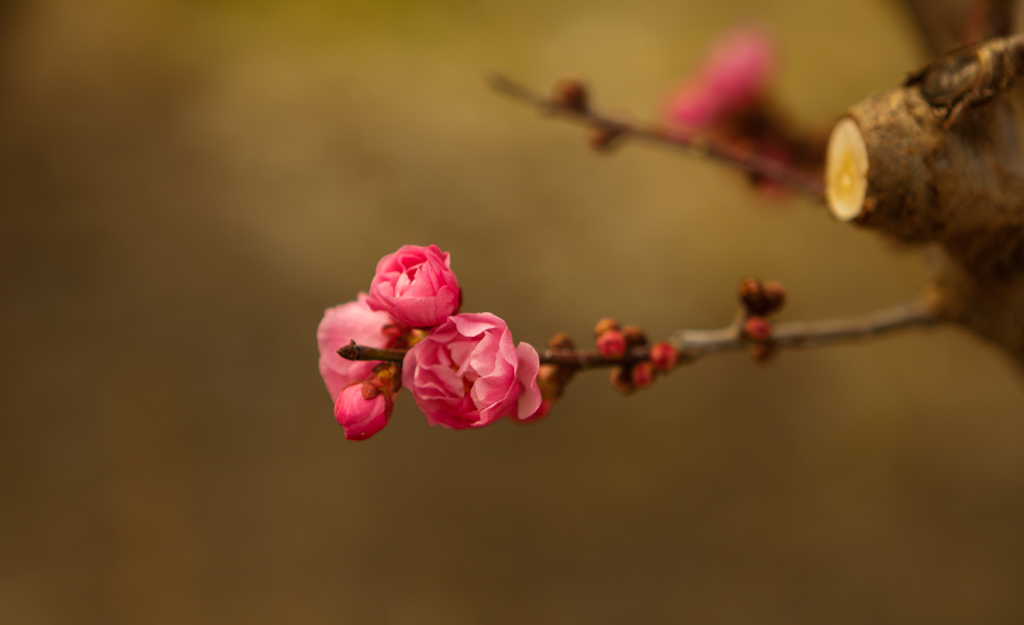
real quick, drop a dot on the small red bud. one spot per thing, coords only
(751, 295)
(634, 336)
(642, 375)
(605, 325)
(571, 94)
(664, 356)
(757, 329)
(774, 296)
(560, 341)
(622, 380)
(611, 344)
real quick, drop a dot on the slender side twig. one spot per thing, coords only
(734, 154)
(695, 344)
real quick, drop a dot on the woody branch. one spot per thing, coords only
(692, 345)
(571, 103)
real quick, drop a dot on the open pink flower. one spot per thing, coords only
(467, 374)
(416, 286)
(737, 74)
(362, 409)
(353, 321)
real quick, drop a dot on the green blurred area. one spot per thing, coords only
(186, 185)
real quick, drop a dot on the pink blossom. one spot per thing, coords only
(539, 414)
(353, 321)
(467, 374)
(736, 75)
(362, 409)
(416, 286)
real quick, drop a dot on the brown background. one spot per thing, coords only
(186, 185)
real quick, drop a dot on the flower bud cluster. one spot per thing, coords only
(617, 343)
(462, 369)
(759, 301)
(553, 379)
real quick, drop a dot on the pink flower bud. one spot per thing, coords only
(416, 286)
(757, 329)
(466, 373)
(642, 375)
(664, 356)
(736, 74)
(362, 409)
(353, 321)
(612, 344)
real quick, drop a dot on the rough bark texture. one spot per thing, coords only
(946, 24)
(945, 168)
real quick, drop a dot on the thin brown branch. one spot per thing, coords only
(734, 154)
(696, 344)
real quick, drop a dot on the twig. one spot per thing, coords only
(737, 155)
(362, 352)
(695, 344)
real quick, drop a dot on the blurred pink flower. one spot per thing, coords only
(362, 409)
(466, 373)
(736, 75)
(353, 321)
(416, 286)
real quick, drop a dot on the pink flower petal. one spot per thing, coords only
(353, 321)
(483, 361)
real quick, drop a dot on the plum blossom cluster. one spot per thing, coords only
(463, 369)
(759, 301)
(729, 96)
(733, 81)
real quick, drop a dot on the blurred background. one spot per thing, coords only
(185, 186)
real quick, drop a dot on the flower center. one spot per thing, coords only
(405, 281)
(468, 378)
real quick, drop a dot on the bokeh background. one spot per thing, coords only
(186, 185)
